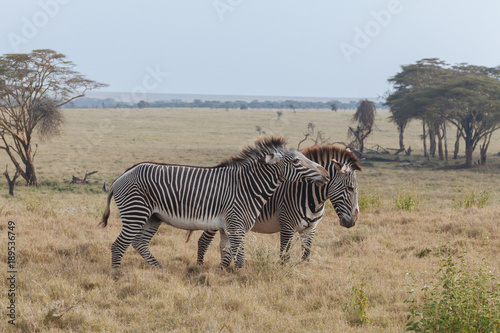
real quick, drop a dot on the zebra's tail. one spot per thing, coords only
(188, 235)
(105, 216)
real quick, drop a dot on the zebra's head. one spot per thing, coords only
(343, 192)
(291, 165)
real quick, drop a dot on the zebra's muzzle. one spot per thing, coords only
(349, 221)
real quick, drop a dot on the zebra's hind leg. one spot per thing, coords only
(203, 243)
(142, 241)
(130, 230)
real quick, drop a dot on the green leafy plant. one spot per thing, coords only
(461, 299)
(472, 198)
(369, 198)
(407, 199)
(361, 302)
(357, 305)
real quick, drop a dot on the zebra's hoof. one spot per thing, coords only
(219, 269)
(116, 273)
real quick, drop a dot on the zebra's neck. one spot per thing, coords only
(258, 182)
(316, 196)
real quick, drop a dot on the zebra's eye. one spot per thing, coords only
(296, 161)
(350, 188)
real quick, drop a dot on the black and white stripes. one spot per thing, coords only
(298, 207)
(226, 198)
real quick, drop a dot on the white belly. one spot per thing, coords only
(215, 223)
(269, 226)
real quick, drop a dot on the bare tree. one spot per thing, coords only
(33, 86)
(10, 181)
(317, 140)
(365, 116)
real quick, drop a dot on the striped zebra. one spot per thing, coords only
(226, 198)
(298, 207)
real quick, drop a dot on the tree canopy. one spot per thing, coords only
(33, 86)
(436, 93)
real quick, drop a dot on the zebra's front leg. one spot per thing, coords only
(232, 246)
(142, 241)
(237, 242)
(307, 237)
(286, 236)
(204, 242)
(225, 251)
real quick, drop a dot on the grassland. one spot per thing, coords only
(64, 280)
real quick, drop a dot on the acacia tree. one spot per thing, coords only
(423, 73)
(472, 103)
(476, 111)
(365, 116)
(33, 86)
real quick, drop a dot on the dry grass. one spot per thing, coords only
(65, 281)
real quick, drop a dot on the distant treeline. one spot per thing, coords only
(86, 102)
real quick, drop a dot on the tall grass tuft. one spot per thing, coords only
(407, 199)
(460, 299)
(357, 305)
(369, 198)
(471, 199)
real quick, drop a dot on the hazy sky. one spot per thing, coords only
(253, 47)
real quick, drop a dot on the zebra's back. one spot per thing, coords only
(183, 196)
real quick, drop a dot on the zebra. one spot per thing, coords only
(299, 207)
(227, 197)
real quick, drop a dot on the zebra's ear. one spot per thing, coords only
(338, 166)
(271, 158)
(341, 168)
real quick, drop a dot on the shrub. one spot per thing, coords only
(358, 305)
(407, 199)
(461, 299)
(369, 198)
(472, 199)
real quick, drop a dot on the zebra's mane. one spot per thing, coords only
(262, 147)
(324, 154)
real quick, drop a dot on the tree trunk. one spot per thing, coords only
(432, 142)
(457, 145)
(483, 156)
(469, 149)
(401, 134)
(30, 175)
(440, 143)
(424, 138)
(445, 142)
(11, 187)
(11, 182)
(484, 148)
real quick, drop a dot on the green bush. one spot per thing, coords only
(356, 306)
(461, 299)
(407, 199)
(369, 199)
(472, 199)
